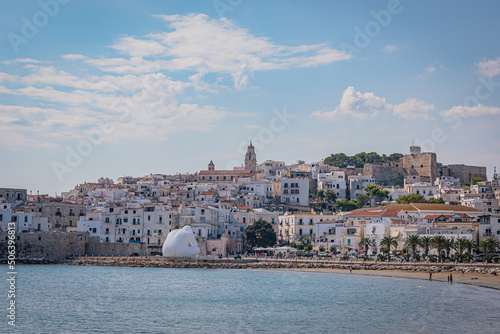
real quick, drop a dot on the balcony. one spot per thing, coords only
(487, 234)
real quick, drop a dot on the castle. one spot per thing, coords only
(425, 165)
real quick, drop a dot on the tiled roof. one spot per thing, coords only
(430, 207)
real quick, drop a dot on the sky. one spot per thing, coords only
(93, 89)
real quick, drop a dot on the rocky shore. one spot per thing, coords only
(283, 264)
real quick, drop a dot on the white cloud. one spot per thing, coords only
(21, 60)
(357, 104)
(391, 48)
(367, 105)
(434, 67)
(413, 109)
(475, 111)
(489, 68)
(135, 98)
(73, 57)
(200, 44)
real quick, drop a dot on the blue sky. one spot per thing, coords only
(113, 88)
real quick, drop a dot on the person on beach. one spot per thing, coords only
(430, 275)
(462, 273)
(350, 270)
(448, 279)
(451, 279)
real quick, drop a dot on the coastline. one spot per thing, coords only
(477, 275)
(477, 279)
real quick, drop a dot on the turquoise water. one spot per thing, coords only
(87, 299)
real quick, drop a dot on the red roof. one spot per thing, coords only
(244, 208)
(367, 213)
(208, 193)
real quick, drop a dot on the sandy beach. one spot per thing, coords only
(483, 280)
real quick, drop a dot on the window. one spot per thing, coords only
(107, 220)
(300, 231)
(149, 218)
(107, 231)
(1, 218)
(94, 230)
(161, 219)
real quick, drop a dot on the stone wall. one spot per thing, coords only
(46, 246)
(465, 172)
(95, 247)
(382, 173)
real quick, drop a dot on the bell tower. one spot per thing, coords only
(211, 165)
(251, 159)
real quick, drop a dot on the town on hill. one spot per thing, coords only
(363, 205)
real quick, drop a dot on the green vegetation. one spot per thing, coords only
(388, 242)
(413, 241)
(365, 243)
(413, 198)
(376, 193)
(475, 180)
(360, 159)
(398, 180)
(260, 234)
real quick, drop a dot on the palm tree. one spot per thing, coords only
(493, 244)
(387, 242)
(485, 246)
(460, 245)
(470, 245)
(438, 242)
(365, 243)
(413, 241)
(425, 242)
(448, 245)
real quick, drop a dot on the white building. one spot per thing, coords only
(358, 183)
(295, 191)
(335, 181)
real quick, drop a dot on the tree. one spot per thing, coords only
(398, 180)
(309, 247)
(439, 242)
(448, 245)
(320, 195)
(489, 246)
(475, 180)
(387, 242)
(413, 241)
(365, 243)
(425, 242)
(435, 200)
(412, 198)
(346, 205)
(470, 245)
(333, 249)
(321, 249)
(460, 245)
(362, 200)
(260, 234)
(330, 196)
(377, 193)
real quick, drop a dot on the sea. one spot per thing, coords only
(93, 299)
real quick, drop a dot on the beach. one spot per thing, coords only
(478, 279)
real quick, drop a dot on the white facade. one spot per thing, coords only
(295, 191)
(358, 183)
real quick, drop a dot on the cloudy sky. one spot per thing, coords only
(113, 88)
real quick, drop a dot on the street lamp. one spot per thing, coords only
(258, 236)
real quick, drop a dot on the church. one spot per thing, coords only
(214, 176)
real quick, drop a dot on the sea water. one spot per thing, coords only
(91, 299)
